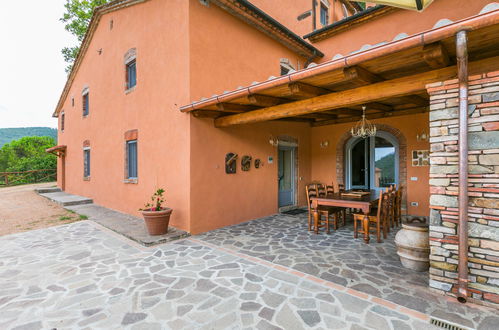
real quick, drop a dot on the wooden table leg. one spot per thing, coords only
(316, 221)
(365, 225)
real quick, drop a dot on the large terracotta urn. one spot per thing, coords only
(157, 221)
(413, 246)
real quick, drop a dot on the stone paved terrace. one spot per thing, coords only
(84, 276)
(338, 258)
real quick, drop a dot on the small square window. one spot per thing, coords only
(86, 162)
(131, 74)
(86, 104)
(131, 155)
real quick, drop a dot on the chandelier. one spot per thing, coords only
(364, 127)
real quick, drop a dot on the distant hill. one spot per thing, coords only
(9, 134)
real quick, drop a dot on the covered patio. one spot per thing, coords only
(373, 269)
(411, 90)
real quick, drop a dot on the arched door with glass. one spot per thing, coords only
(372, 163)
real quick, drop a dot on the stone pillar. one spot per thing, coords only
(483, 162)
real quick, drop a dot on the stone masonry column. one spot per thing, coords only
(483, 185)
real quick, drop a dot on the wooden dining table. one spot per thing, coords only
(343, 199)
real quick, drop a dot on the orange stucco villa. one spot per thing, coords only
(164, 90)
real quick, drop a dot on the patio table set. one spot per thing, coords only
(370, 209)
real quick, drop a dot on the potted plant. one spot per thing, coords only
(156, 216)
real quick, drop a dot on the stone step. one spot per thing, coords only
(66, 199)
(46, 190)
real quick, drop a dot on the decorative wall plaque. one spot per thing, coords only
(246, 163)
(257, 163)
(230, 163)
(420, 158)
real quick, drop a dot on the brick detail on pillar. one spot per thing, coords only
(483, 160)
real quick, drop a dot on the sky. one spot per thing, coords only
(32, 72)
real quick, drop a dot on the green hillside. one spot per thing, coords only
(10, 134)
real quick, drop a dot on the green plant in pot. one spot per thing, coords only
(156, 216)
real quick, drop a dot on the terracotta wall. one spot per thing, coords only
(157, 29)
(324, 160)
(219, 64)
(483, 187)
(219, 199)
(385, 28)
(226, 52)
(287, 14)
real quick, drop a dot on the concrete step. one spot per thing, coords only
(45, 190)
(66, 199)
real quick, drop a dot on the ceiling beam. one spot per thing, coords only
(234, 107)
(206, 113)
(415, 99)
(376, 115)
(264, 100)
(359, 75)
(435, 55)
(378, 106)
(376, 92)
(305, 90)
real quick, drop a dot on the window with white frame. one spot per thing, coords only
(86, 162)
(131, 159)
(85, 102)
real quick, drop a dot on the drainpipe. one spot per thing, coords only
(462, 67)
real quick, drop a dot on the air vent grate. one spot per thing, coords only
(445, 325)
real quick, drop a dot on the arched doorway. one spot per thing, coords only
(373, 162)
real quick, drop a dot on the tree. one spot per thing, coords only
(77, 17)
(26, 154)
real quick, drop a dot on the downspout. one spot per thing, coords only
(462, 67)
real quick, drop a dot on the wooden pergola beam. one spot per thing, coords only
(264, 100)
(301, 89)
(360, 75)
(234, 107)
(376, 115)
(435, 55)
(399, 87)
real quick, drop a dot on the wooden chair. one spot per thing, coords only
(321, 190)
(314, 190)
(330, 189)
(398, 207)
(377, 219)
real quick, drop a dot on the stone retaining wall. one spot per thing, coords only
(483, 162)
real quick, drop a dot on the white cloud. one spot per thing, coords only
(33, 74)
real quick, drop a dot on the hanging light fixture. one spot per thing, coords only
(418, 5)
(364, 127)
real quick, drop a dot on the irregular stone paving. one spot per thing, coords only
(81, 276)
(371, 268)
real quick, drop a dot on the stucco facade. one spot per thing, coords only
(186, 50)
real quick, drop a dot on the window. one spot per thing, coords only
(86, 163)
(131, 155)
(131, 74)
(86, 104)
(72, 101)
(324, 14)
(286, 66)
(130, 61)
(63, 116)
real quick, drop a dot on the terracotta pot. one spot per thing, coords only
(413, 246)
(157, 221)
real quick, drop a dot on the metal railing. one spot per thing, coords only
(25, 177)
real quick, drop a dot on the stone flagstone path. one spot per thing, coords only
(83, 276)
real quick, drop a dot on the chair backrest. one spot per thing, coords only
(341, 187)
(311, 191)
(398, 204)
(321, 190)
(330, 189)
